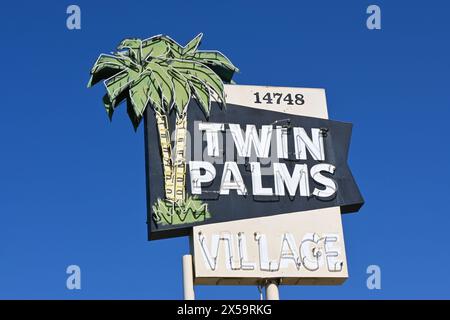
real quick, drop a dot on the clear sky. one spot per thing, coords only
(72, 184)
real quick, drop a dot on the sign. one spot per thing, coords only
(252, 159)
(258, 182)
(296, 248)
(306, 248)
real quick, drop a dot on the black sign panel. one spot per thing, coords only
(291, 180)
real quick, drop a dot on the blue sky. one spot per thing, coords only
(72, 184)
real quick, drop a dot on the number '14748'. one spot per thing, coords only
(279, 98)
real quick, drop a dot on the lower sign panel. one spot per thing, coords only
(305, 248)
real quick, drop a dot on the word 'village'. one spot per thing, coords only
(311, 253)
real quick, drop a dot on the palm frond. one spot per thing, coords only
(134, 47)
(160, 72)
(201, 72)
(217, 62)
(192, 45)
(182, 90)
(107, 66)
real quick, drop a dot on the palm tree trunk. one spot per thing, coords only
(166, 152)
(180, 158)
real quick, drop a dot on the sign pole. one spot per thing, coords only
(272, 292)
(188, 278)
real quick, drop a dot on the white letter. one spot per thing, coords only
(243, 256)
(311, 252)
(229, 251)
(74, 20)
(264, 263)
(262, 146)
(258, 190)
(283, 178)
(373, 21)
(330, 184)
(289, 252)
(334, 264)
(209, 256)
(212, 136)
(197, 178)
(303, 142)
(231, 170)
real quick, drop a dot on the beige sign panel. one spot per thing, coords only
(308, 102)
(297, 248)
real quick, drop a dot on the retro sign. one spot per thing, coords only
(249, 161)
(257, 176)
(295, 248)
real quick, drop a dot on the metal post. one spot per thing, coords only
(272, 292)
(188, 278)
